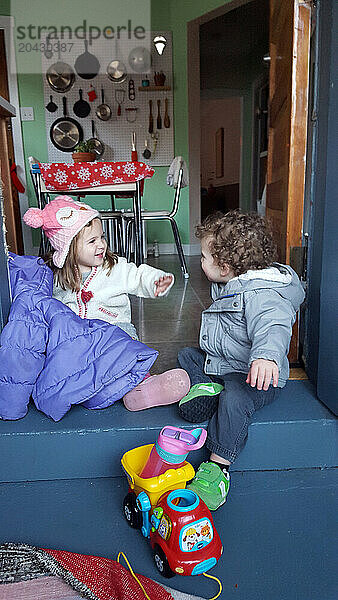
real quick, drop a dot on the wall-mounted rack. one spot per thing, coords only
(128, 114)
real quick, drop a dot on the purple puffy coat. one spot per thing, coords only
(48, 353)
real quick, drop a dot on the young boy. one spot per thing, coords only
(244, 340)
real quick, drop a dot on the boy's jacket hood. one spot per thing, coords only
(281, 278)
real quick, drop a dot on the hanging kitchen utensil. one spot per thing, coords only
(131, 114)
(166, 120)
(48, 52)
(159, 119)
(119, 97)
(151, 118)
(146, 152)
(65, 133)
(91, 94)
(154, 137)
(131, 89)
(103, 111)
(51, 106)
(81, 108)
(98, 145)
(139, 59)
(60, 77)
(116, 69)
(86, 65)
(134, 157)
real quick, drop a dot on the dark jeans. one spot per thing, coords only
(228, 426)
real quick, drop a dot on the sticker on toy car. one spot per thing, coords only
(196, 535)
(164, 528)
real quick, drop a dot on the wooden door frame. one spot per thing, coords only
(7, 24)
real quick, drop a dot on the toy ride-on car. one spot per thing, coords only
(176, 521)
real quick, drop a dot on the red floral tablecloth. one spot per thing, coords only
(69, 176)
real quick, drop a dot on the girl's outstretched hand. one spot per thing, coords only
(261, 372)
(162, 284)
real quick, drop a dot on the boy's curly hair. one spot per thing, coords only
(241, 240)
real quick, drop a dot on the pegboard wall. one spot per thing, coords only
(116, 133)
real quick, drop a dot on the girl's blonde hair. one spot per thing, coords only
(241, 240)
(68, 277)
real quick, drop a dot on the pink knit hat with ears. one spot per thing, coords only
(61, 220)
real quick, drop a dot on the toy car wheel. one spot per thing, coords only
(161, 563)
(131, 511)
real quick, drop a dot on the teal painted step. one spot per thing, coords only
(295, 432)
(278, 529)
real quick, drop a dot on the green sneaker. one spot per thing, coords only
(211, 484)
(202, 389)
(201, 402)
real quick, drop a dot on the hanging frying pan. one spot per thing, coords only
(98, 145)
(116, 71)
(60, 77)
(103, 111)
(65, 133)
(81, 108)
(51, 106)
(86, 65)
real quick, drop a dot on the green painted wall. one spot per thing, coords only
(5, 7)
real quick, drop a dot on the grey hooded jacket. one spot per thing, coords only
(251, 317)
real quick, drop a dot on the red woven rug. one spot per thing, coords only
(24, 570)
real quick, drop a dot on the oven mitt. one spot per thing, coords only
(202, 389)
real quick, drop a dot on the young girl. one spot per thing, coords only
(95, 284)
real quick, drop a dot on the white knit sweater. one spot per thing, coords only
(110, 301)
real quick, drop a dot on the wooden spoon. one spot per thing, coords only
(159, 119)
(151, 118)
(166, 120)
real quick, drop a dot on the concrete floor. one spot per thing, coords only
(168, 324)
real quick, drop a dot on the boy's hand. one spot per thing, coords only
(162, 284)
(261, 372)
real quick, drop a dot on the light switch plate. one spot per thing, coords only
(27, 113)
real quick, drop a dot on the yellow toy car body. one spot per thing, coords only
(133, 462)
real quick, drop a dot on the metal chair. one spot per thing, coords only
(161, 215)
(113, 222)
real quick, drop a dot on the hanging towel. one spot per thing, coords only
(174, 169)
